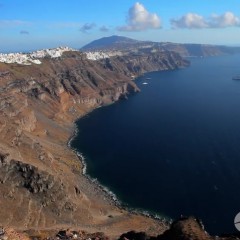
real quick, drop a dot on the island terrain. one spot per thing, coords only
(42, 94)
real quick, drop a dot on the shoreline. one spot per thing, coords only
(38, 135)
(111, 197)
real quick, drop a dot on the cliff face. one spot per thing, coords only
(140, 63)
(199, 50)
(41, 181)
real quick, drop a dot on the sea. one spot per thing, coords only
(174, 148)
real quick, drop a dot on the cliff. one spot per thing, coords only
(41, 180)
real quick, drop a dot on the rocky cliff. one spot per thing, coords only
(41, 180)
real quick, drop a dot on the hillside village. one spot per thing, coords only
(29, 58)
(96, 55)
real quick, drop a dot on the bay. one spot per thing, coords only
(174, 148)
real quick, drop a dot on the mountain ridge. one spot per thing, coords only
(124, 44)
(105, 42)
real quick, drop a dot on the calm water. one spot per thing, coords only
(174, 148)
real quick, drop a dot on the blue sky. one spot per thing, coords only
(29, 25)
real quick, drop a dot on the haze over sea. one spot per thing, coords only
(174, 148)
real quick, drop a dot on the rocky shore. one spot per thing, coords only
(185, 228)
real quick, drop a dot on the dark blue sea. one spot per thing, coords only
(174, 148)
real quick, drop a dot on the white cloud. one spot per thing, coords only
(228, 19)
(139, 19)
(193, 20)
(190, 20)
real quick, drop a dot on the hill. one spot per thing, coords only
(125, 45)
(112, 42)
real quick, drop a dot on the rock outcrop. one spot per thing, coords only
(187, 228)
(41, 180)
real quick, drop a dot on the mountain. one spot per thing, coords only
(124, 45)
(112, 42)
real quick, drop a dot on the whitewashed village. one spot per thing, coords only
(34, 57)
(29, 58)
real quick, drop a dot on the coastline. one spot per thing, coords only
(36, 138)
(105, 190)
(111, 197)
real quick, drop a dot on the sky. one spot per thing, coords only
(27, 25)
